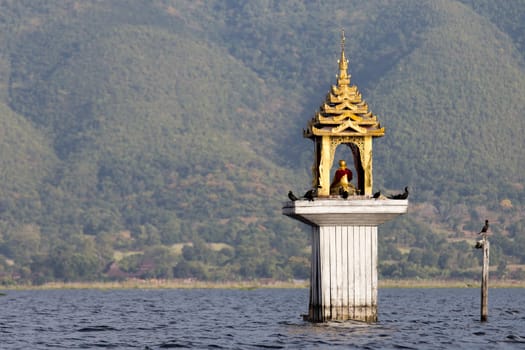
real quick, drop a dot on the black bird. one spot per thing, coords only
(485, 228)
(309, 195)
(403, 195)
(376, 195)
(343, 193)
(292, 196)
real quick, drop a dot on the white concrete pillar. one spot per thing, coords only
(343, 282)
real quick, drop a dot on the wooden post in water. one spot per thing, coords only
(485, 280)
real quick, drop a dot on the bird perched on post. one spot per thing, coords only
(403, 195)
(483, 232)
(485, 228)
(292, 196)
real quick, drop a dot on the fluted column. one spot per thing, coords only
(343, 283)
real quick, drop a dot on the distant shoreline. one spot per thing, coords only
(255, 284)
(423, 283)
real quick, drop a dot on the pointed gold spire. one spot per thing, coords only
(343, 78)
(344, 112)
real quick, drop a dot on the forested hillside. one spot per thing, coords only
(159, 138)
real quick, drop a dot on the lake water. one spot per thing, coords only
(255, 319)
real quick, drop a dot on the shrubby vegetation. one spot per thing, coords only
(157, 139)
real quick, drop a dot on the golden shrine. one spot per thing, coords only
(343, 119)
(344, 273)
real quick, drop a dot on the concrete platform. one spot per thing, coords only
(355, 210)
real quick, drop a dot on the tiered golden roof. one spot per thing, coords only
(344, 112)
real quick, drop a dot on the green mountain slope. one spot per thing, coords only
(470, 111)
(25, 156)
(144, 126)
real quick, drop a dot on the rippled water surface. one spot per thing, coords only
(254, 319)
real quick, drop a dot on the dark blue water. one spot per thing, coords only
(254, 319)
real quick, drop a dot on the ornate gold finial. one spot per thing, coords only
(343, 63)
(342, 39)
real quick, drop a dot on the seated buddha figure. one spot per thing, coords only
(341, 182)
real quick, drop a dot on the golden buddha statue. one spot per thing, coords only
(341, 182)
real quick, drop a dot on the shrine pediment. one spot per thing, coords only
(327, 131)
(360, 107)
(348, 125)
(338, 118)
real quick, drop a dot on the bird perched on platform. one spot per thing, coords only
(292, 196)
(485, 228)
(376, 195)
(310, 194)
(403, 195)
(343, 193)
